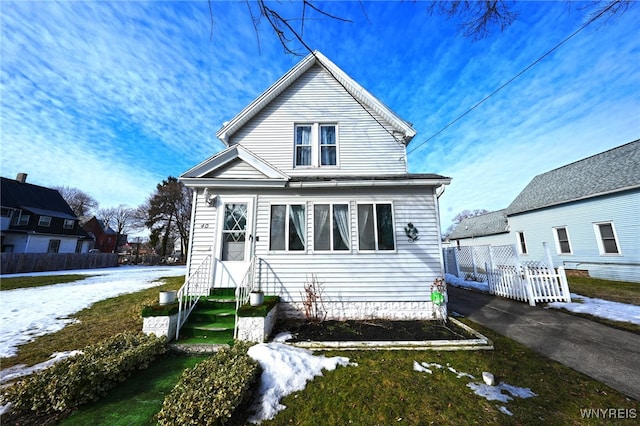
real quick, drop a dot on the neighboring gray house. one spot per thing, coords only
(314, 184)
(588, 212)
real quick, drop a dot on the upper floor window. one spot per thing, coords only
(562, 240)
(375, 227)
(331, 227)
(68, 223)
(44, 221)
(522, 243)
(288, 227)
(607, 241)
(20, 219)
(316, 145)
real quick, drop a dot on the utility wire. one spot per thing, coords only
(590, 21)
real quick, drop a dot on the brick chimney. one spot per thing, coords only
(22, 177)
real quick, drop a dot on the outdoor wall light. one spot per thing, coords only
(210, 198)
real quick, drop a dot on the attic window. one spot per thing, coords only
(68, 223)
(316, 145)
(44, 221)
(20, 219)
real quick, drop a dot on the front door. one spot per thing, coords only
(235, 241)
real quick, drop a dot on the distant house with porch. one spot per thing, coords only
(588, 212)
(313, 185)
(36, 219)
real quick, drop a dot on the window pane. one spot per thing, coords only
(321, 230)
(328, 135)
(278, 215)
(303, 145)
(328, 156)
(366, 237)
(564, 247)
(606, 230)
(608, 238)
(385, 227)
(303, 155)
(610, 246)
(341, 227)
(297, 227)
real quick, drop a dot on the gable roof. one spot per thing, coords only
(487, 224)
(611, 171)
(208, 172)
(36, 199)
(358, 92)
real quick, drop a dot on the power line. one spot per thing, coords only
(602, 12)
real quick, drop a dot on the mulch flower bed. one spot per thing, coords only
(371, 331)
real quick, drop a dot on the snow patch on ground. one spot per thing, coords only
(286, 369)
(600, 308)
(26, 313)
(469, 285)
(491, 393)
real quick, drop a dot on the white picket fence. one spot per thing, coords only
(506, 276)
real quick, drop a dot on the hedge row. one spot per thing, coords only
(85, 377)
(211, 392)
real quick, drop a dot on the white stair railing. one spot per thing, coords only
(243, 290)
(196, 285)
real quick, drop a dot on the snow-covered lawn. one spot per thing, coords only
(580, 304)
(26, 313)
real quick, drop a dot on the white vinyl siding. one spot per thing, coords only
(363, 146)
(405, 274)
(237, 169)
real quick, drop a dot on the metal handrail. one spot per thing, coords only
(196, 285)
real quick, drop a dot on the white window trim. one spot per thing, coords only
(519, 243)
(313, 228)
(315, 145)
(375, 230)
(557, 240)
(596, 230)
(286, 228)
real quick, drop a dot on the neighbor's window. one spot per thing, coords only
(331, 227)
(68, 223)
(288, 227)
(562, 240)
(79, 246)
(44, 221)
(303, 145)
(316, 145)
(20, 219)
(522, 244)
(607, 242)
(375, 227)
(54, 246)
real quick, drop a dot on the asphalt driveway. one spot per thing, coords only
(606, 354)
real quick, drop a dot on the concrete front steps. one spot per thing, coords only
(212, 321)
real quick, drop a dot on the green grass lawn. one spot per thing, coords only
(39, 281)
(616, 291)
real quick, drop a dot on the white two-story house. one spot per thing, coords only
(313, 185)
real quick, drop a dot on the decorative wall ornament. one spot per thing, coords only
(412, 232)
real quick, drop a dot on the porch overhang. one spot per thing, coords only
(426, 180)
(233, 183)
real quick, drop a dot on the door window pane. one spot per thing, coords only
(234, 232)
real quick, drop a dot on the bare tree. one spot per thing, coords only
(80, 202)
(169, 214)
(460, 217)
(121, 219)
(478, 19)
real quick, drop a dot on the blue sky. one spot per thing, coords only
(113, 97)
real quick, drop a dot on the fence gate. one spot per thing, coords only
(506, 275)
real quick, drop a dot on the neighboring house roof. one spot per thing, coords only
(477, 226)
(615, 170)
(358, 92)
(37, 199)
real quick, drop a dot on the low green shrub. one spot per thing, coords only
(85, 377)
(211, 392)
(160, 310)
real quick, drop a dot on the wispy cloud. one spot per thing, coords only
(112, 97)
